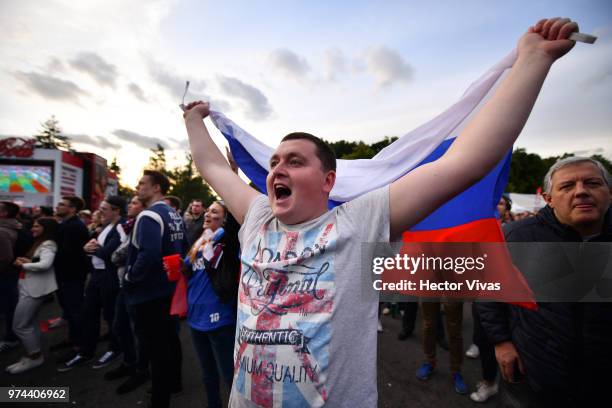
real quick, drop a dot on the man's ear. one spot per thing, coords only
(548, 198)
(330, 180)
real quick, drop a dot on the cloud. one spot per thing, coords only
(55, 65)
(175, 84)
(256, 103)
(388, 66)
(92, 64)
(183, 144)
(97, 141)
(146, 142)
(289, 63)
(137, 91)
(50, 87)
(335, 63)
(589, 152)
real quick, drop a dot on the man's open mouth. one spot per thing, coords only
(281, 191)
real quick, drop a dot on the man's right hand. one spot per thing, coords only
(197, 109)
(508, 358)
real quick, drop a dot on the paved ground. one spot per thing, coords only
(397, 384)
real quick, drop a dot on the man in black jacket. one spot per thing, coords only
(194, 226)
(560, 354)
(102, 289)
(71, 264)
(9, 233)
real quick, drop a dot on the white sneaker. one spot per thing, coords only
(484, 392)
(8, 368)
(57, 323)
(25, 364)
(8, 345)
(105, 360)
(473, 351)
(380, 329)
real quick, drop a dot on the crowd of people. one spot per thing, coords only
(106, 265)
(272, 295)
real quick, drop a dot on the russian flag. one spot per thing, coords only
(469, 217)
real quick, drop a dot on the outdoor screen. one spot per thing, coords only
(25, 179)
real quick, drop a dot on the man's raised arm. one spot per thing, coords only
(489, 136)
(212, 165)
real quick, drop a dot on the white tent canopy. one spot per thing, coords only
(526, 202)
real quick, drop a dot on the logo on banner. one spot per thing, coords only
(17, 147)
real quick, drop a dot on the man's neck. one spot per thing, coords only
(155, 199)
(67, 217)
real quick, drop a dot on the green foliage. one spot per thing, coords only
(527, 172)
(342, 148)
(378, 146)
(157, 161)
(606, 163)
(185, 182)
(125, 191)
(51, 137)
(114, 166)
(361, 151)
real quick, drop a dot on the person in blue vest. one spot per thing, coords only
(212, 267)
(158, 232)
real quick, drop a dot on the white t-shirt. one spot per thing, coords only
(98, 263)
(306, 330)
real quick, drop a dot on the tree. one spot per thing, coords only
(157, 161)
(188, 185)
(123, 190)
(606, 163)
(527, 171)
(342, 147)
(378, 146)
(114, 166)
(51, 136)
(185, 182)
(361, 151)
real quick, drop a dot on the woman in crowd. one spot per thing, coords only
(36, 281)
(503, 208)
(212, 267)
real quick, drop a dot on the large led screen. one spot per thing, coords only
(26, 179)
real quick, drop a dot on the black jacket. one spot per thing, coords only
(566, 348)
(71, 263)
(194, 229)
(111, 243)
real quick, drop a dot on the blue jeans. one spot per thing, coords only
(216, 353)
